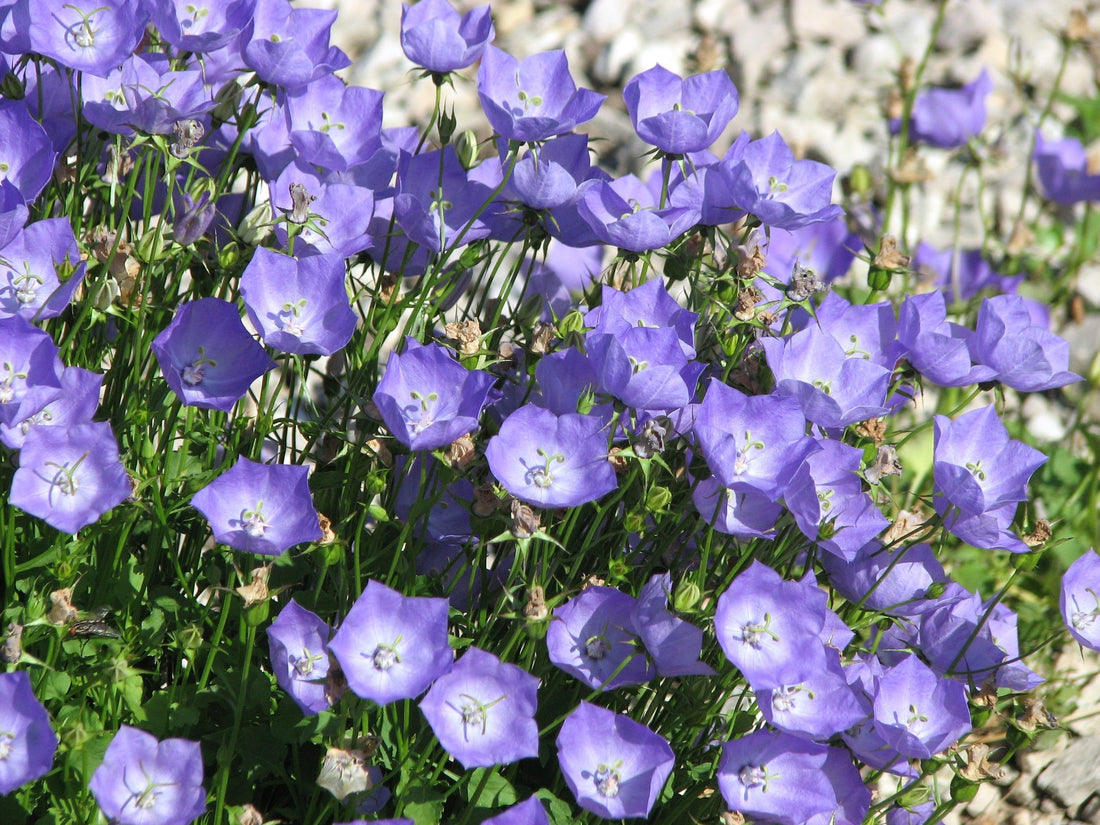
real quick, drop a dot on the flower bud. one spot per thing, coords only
(466, 148)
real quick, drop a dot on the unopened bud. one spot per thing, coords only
(467, 149)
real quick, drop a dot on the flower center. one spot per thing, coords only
(291, 317)
(421, 415)
(64, 479)
(7, 388)
(753, 776)
(541, 476)
(385, 656)
(607, 779)
(253, 522)
(195, 372)
(83, 34)
(474, 712)
(7, 740)
(741, 461)
(597, 646)
(754, 635)
(26, 286)
(303, 665)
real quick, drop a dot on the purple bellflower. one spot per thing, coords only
(299, 305)
(892, 580)
(69, 477)
(625, 213)
(260, 508)
(956, 636)
(427, 399)
(645, 368)
(13, 212)
(648, 305)
(334, 126)
(673, 645)
(614, 766)
(980, 475)
(743, 513)
(26, 154)
(483, 711)
(829, 504)
(565, 377)
(1064, 172)
(593, 637)
(1079, 600)
(298, 641)
(92, 36)
(752, 443)
(1024, 356)
(820, 706)
(550, 460)
(207, 356)
(289, 46)
(192, 218)
(40, 270)
(391, 646)
(75, 403)
(766, 181)
(770, 628)
(435, 37)
(201, 26)
(143, 94)
(948, 118)
(776, 777)
(342, 210)
(528, 812)
(27, 742)
(935, 347)
(145, 782)
(680, 115)
(534, 98)
(919, 713)
(30, 369)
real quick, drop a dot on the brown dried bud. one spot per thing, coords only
(344, 772)
(485, 500)
(889, 256)
(256, 591)
(328, 535)
(467, 334)
(63, 610)
(387, 286)
(118, 165)
(13, 645)
(1078, 27)
(461, 452)
(905, 526)
(187, 133)
(886, 464)
(1040, 535)
(593, 581)
(895, 103)
(733, 818)
(978, 766)
(746, 303)
(543, 334)
(300, 199)
(912, 169)
(1036, 715)
(872, 428)
(750, 257)
(536, 610)
(907, 73)
(618, 461)
(380, 450)
(525, 520)
(804, 283)
(250, 815)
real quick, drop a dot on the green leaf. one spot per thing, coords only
(561, 813)
(422, 804)
(488, 789)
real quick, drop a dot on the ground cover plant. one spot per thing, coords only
(364, 474)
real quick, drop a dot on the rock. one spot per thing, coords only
(1072, 777)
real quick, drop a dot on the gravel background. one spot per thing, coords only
(819, 71)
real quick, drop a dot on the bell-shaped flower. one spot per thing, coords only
(644, 368)
(550, 460)
(948, 118)
(1063, 171)
(92, 36)
(956, 637)
(332, 125)
(483, 711)
(818, 707)
(566, 379)
(614, 766)
(1079, 601)
(201, 27)
(260, 508)
(775, 777)
(960, 273)
(70, 477)
(40, 270)
(427, 399)
(142, 781)
(935, 347)
(26, 154)
(673, 645)
(976, 466)
(919, 713)
(829, 504)
(13, 212)
(298, 641)
(27, 742)
(299, 305)
(827, 248)
(435, 37)
(770, 628)
(391, 646)
(766, 181)
(743, 513)
(893, 580)
(207, 356)
(289, 46)
(534, 98)
(146, 95)
(1021, 354)
(1013, 674)
(30, 369)
(528, 812)
(752, 443)
(74, 403)
(680, 115)
(625, 213)
(647, 305)
(593, 637)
